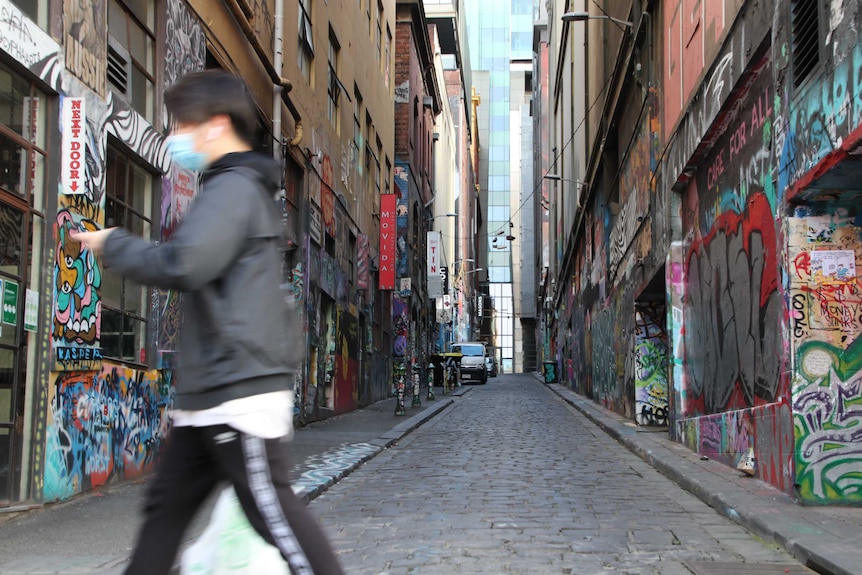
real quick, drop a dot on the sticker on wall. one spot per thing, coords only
(10, 303)
(31, 310)
(315, 225)
(833, 266)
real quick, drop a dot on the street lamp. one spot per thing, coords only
(429, 221)
(583, 16)
(559, 178)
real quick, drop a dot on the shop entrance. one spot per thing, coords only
(22, 226)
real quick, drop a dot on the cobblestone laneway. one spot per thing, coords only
(513, 480)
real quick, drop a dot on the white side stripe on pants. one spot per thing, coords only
(264, 493)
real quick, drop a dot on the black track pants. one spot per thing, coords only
(196, 460)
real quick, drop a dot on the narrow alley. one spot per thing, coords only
(511, 479)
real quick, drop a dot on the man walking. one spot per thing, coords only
(233, 404)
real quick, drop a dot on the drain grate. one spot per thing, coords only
(715, 568)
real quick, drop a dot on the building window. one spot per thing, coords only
(369, 163)
(333, 88)
(131, 53)
(378, 176)
(368, 152)
(128, 202)
(378, 34)
(387, 177)
(306, 43)
(805, 33)
(357, 126)
(386, 64)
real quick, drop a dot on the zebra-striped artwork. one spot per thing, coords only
(184, 54)
(31, 46)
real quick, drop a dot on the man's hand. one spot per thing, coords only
(92, 240)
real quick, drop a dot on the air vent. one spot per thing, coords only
(805, 27)
(119, 68)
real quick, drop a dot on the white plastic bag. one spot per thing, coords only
(230, 546)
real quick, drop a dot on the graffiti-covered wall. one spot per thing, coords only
(732, 305)
(816, 123)
(107, 422)
(732, 313)
(103, 426)
(825, 255)
(651, 364)
(186, 53)
(599, 345)
(818, 137)
(402, 190)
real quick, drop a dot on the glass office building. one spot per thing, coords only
(500, 35)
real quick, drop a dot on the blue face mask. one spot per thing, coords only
(181, 147)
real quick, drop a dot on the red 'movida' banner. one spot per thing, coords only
(388, 205)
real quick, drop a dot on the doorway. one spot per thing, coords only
(22, 227)
(652, 354)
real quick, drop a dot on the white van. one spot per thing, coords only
(472, 361)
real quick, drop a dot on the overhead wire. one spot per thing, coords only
(557, 157)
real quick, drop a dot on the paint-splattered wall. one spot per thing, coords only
(825, 255)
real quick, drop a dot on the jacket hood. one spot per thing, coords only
(268, 170)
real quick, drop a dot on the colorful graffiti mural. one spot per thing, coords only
(103, 426)
(78, 306)
(827, 417)
(825, 257)
(346, 363)
(71, 349)
(651, 368)
(401, 323)
(674, 266)
(730, 385)
(727, 438)
(402, 190)
(636, 186)
(613, 359)
(733, 305)
(179, 187)
(732, 310)
(818, 124)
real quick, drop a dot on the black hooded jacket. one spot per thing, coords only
(235, 335)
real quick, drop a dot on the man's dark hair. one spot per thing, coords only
(200, 96)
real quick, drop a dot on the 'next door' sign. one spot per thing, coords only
(73, 161)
